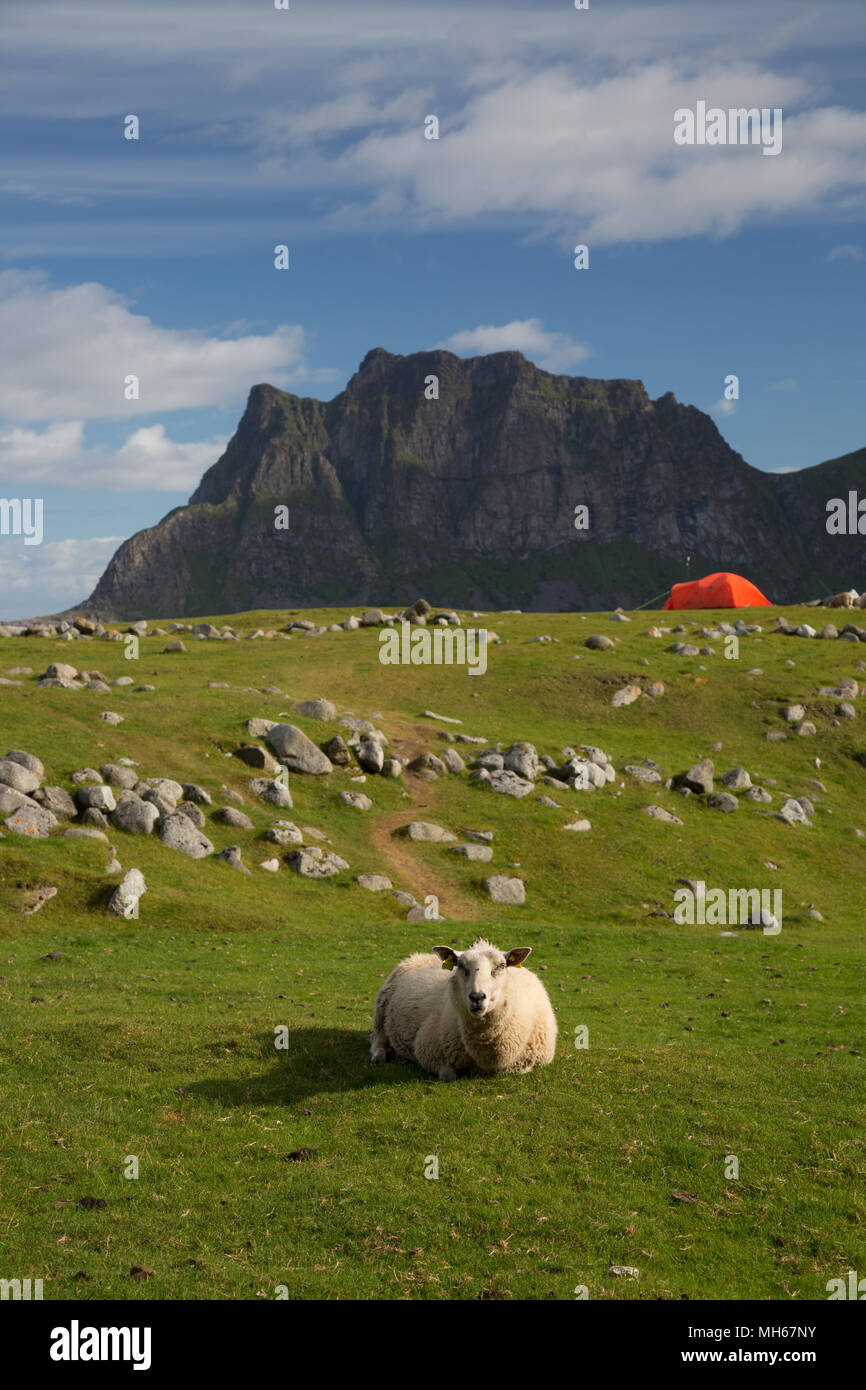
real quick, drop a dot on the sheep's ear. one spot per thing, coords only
(447, 956)
(518, 955)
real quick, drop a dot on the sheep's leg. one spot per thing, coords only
(380, 1048)
(380, 1043)
(447, 1073)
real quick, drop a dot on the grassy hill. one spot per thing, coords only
(154, 1038)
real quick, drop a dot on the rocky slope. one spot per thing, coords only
(470, 499)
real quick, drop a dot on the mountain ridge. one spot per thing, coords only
(470, 498)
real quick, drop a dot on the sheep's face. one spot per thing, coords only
(478, 982)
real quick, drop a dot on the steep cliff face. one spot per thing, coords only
(470, 498)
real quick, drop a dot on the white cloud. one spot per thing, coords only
(596, 160)
(784, 470)
(572, 139)
(65, 353)
(846, 252)
(555, 352)
(36, 580)
(148, 460)
(723, 407)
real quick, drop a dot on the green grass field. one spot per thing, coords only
(155, 1038)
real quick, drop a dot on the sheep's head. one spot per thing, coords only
(479, 975)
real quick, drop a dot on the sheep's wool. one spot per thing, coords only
(421, 1015)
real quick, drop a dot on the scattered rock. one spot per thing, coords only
(193, 792)
(427, 762)
(255, 756)
(102, 798)
(357, 800)
(178, 832)
(316, 709)
(443, 718)
(758, 794)
(793, 812)
(18, 777)
(260, 728)
(30, 819)
(273, 792)
(503, 889)
(38, 898)
(736, 780)
(119, 776)
(227, 815)
(296, 751)
(34, 764)
(133, 815)
(698, 779)
(509, 784)
(10, 801)
(792, 714)
(659, 813)
(124, 899)
(284, 832)
(193, 813)
(58, 801)
(370, 755)
(232, 857)
(626, 696)
(312, 862)
(642, 774)
(480, 853)
(426, 831)
(522, 759)
(337, 751)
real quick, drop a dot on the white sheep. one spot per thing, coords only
(487, 1014)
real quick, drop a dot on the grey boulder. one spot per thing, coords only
(316, 709)
(31, 820)
(124, 899)
(178, 832)
(135, 816)
(227, 815)
(521, 758)
(296, 751)
(503, 889)
(19, 778)
(273, 792)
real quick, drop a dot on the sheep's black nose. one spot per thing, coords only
(476, 998)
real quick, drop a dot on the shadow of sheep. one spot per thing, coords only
(317, 1061)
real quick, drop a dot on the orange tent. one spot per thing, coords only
(721, 590)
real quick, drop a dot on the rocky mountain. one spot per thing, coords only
(470, 499)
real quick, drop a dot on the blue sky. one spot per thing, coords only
(259, 127)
